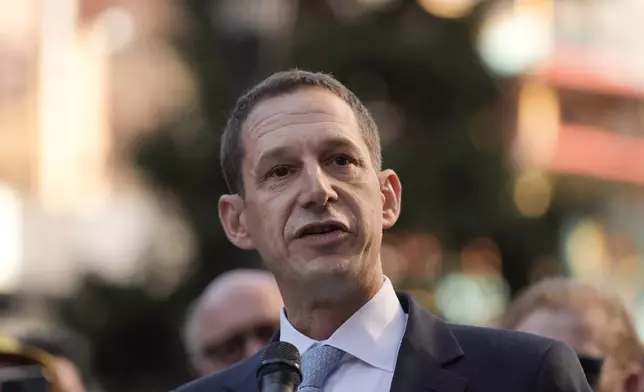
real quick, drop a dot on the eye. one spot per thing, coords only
(280, 171)
(342, 160)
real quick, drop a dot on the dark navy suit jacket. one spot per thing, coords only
(441, 357)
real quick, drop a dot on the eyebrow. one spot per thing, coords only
(335, 143)
(283, 152)
(272, 154)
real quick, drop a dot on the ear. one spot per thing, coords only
(232, 215)
(391, 195)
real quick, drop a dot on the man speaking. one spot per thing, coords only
(301, 156)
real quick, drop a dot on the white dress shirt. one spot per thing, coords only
(370, 338)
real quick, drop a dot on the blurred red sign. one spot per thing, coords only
(594, 152)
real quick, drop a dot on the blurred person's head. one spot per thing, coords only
(232, 319)
(64, 359)
(594, 323)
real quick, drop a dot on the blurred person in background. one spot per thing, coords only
(596, 324)
(65, 361)
(233, 318)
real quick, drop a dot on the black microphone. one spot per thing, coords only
(592, 368)
(279, 370)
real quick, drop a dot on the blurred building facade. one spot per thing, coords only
(76, 88)
(577, 132)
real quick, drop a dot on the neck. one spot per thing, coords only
(318, 317)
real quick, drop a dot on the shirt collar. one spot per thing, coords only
(372, 334)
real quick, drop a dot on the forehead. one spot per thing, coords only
(305, 109)
(223, 316)
(581, 330)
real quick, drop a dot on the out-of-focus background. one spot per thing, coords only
(517, 128)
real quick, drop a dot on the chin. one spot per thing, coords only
(329, 264)
(313, 266)
(330, 271)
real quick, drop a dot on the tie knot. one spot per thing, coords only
(317, 363)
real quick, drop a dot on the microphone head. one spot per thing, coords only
(283, 351)
(592, 368)
(281, 357)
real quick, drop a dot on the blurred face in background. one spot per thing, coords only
(234, 324)
(314, 204)
(591, 333)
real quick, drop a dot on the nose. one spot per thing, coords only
(316, 191)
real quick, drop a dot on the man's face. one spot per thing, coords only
(235, 327)
(314, 204)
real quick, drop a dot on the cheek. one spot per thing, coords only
(266, 224)
(366, 212)
(365, 194)
(370, 202)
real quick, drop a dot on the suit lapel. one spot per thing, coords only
(244, 379)
(427, 346)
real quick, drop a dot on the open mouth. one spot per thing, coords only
(317, 229)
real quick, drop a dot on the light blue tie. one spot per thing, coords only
(317, 363)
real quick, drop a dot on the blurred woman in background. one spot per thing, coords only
(594, 323)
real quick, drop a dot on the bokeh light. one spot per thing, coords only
(116, 24)
(474, 300)
(510, 41)
(532, 193)
(10, 239)
(450, 9)
(17, 18)
(412, 255)
(586, 250)
(72, 130)
(481, 256)
(538, 120)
